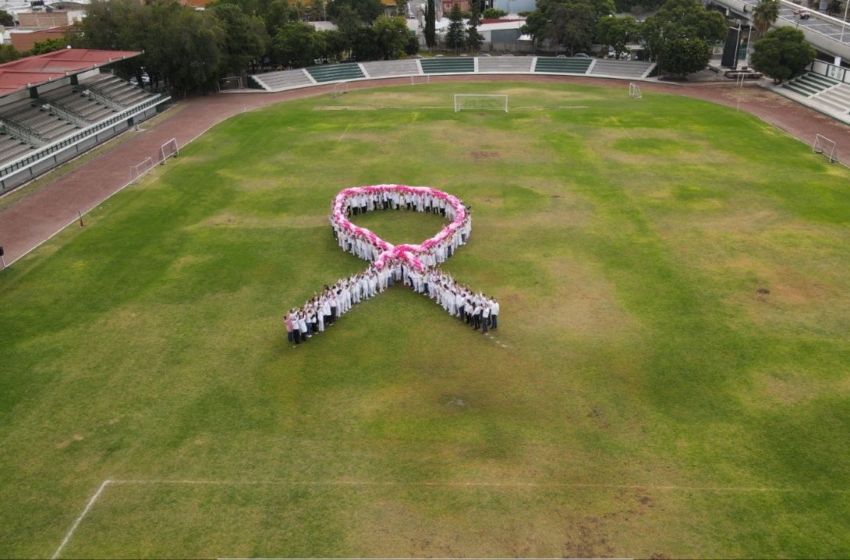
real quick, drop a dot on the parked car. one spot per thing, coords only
(581, 55)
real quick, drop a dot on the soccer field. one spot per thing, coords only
(669, 377)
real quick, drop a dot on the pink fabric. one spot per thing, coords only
(388, 250)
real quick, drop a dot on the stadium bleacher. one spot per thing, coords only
(285, 79)
(507, 64)
(336, 72)
(447, 65)
(391, 68)
(810, 84)
(626, 69)
(836, 98)
(12, 148)
(562, 65)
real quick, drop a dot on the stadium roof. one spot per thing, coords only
(37, 70)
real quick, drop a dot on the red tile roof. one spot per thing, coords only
(35, 70)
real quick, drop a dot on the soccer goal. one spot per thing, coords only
(139, 170)
(825, 146)
(634, 91)
(340, 88)
(167, 150)
(425, 79)
(470, 101)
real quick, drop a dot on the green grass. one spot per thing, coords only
(643, 398)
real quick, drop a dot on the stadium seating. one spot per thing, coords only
(118, 91)
(505, 65)
(336, 72)
(286, 79)
(391, 68)
(562, 65)
(621, 68)
(810, 84)
(835, 98)
(11, 148)
(447, 65)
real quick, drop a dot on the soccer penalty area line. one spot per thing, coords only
(425, 484)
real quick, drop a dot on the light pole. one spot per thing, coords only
(844, 23)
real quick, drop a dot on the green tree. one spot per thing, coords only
(367, 10)
(412, 45)
(535, 25)
(296, 45)
(245, 37)
(116, 25)
(277, 13)
(616, 32)
(455, 35)
(572, 25)
(764, 15)
(782, 54)
(685, 56)
(390, 36)
(493, 13)
(430, 24)
(8, 53)
(6, 19)
(474, 39)
(681, 19)
(48, 45)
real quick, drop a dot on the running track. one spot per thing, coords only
(28, 223)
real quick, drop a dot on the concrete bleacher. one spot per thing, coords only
(117, 90)
(621, 68)
(391, 68)
(12, 148)
(836, 98)
(40, 123)
(810, 84)
(442, 65)
(336, 72)
(505, 64)
(562, 65)
(72, 99)
(285, 79)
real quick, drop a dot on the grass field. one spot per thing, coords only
(640, 398)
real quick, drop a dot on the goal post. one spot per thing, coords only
(340, 88)
(420, 79)
(137, 171)
(476, 102)
(634, 91)
(167, 150)
(825, 146)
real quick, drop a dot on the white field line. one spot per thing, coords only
(344, 132)
(79, 519)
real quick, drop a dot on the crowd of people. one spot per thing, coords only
(409, 265)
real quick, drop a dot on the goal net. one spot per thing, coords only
(340, 89)
(167, 150)
(469, 101)
(825, 146)
(425, 79)
(137, 171)
(634, 91)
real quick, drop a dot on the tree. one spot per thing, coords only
(685, 56)
(401, 8)
(412, 45)
(6, 19)
(430, 24)
(782, 54)
(245, 37)
(474, 39)
(764, 15)
(493, 13)
(367, 10)
(535, 25)
(572, 25)
(390, 36)
(295, 44)
(8, 53)
(681, 19)
(455, 36)
(616, 32)
(48, 45)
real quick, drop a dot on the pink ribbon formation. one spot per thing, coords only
(413, 265)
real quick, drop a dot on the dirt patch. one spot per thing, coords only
(69, 441)
(484, 155)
